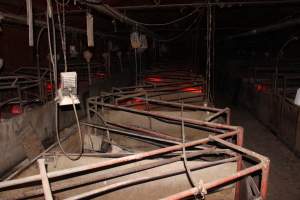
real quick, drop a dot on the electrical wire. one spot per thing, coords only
(188, 170)
(170, 22)
(79, 132)
(182, 33)
(202, 191)
(53, 59)
(123, 17)
(62, 30)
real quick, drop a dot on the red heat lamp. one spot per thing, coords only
(137, 100)
(261, 88)
(49, 87)
(100, 75)
(154, 79)
(196, 90)
(16, 109)
(132, 101)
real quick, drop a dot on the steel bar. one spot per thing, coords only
(150, 132)
(149, 113)
(263, 166)
(216, 115)
(144, 179)
(56, 187)
(254, 155)
(283, 25)
(98, 165)
(18, 171)
(130, 133)
(45, 181)
(168, 118)
(216, 183)
(23, 20)
(184, 105)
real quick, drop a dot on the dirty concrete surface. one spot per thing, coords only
(284, 182)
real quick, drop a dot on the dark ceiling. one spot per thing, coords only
(231, 16)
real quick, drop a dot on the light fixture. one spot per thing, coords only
(135, 40)
(297, 98)
(87, 55)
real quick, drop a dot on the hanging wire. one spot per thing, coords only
(53, 59)
(187, 29)
(170, 22)
(209, 57)
(201, 190)
(62, 31)
(125, 18)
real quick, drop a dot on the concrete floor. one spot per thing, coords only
(284, 180)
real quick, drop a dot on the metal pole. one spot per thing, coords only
(45, 181)
(89, 71)
(136, 67)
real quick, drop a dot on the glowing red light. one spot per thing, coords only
(49, 87)
(198, 90)
(261, 88)
(137, 100)
(154, 79)
(100, 75)
(16, 109)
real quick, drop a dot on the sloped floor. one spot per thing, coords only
(284, 180)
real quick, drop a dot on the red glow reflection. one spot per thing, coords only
(49, 87)
(261, 88)
(198, 90)
(100, 75)
(154, 79)
(16, 109)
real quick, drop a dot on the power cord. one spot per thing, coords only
(79, 132)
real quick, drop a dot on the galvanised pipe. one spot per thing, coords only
(98, 165)
(56, 187)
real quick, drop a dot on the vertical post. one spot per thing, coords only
(228, 116)
(45, 181)
(109, 64)
(136, 67)
(239, 142)
(89, 71)
(239, 167)
(30, 22)
(264, 179)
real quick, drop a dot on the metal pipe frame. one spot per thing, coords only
(96, 166)
(217, 112)
(95, 102)
(23, 80)
(261, 167)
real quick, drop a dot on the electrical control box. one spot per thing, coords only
(67, 93)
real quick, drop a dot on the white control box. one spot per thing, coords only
(67, 94)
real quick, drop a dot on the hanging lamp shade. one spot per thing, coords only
(135, 40)
(297, 98)
(87, 55)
